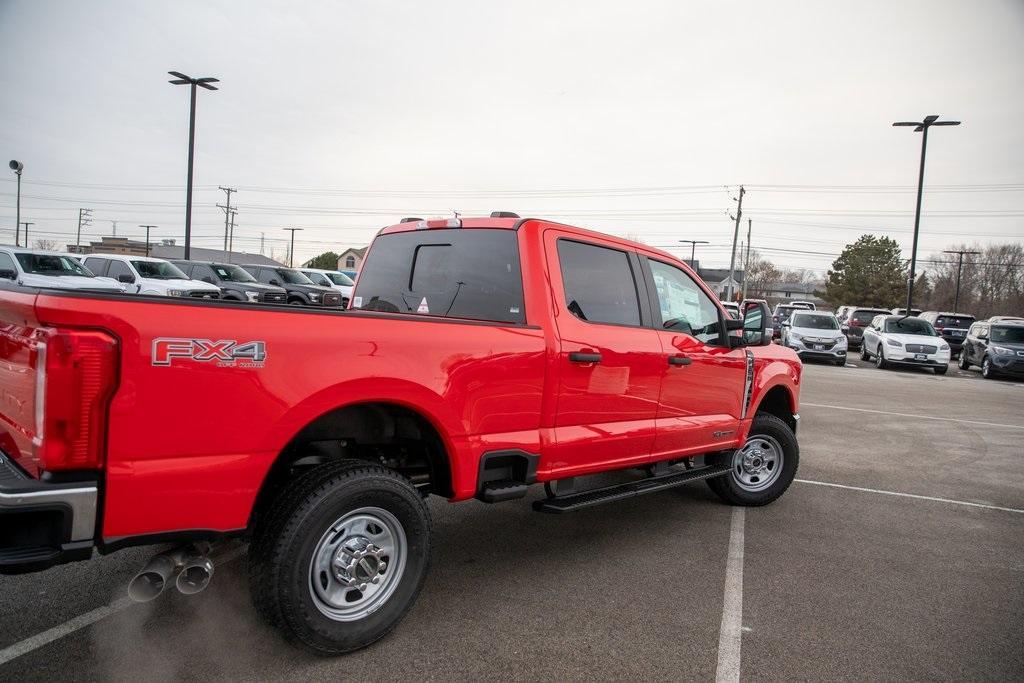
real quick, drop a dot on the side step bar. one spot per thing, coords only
(608, 494)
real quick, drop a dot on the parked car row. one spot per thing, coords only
(249, 283)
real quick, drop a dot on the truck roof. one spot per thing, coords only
(516, 223)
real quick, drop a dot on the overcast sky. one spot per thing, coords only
(627, 117)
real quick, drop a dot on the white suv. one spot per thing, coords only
(333, 279)
(53, 269)
(145, 275)
(815, 334)
(906, 341)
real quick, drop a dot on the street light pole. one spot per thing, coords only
(746, 260)
(693, 249)
(17, 166)
(959, 267)
(147, 227)
(920, 127)
(182, 79)
(291, 251)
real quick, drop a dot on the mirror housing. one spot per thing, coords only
(757, 329)
(126, 278)
(8, 274)
(274, 281)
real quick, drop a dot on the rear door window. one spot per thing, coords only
(97, 266)
(598, 283)
(452, 273)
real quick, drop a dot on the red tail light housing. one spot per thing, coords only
(856, 323)
(76, 376)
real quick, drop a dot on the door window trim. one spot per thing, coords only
(632, 258)
(652, 294)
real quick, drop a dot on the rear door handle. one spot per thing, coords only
(679, 360)
(577, 357)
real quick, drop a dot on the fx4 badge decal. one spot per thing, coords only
(224, 352)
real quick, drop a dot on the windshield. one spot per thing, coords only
(910, 326)
(340, 279)
(52, 264)
(818, 321)
(1008, 334)
(293, 277)
(159, 270)
(232, 274)
(954, 321)
(865, 315)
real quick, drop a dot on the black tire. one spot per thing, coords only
(281, 554)
(880, 358)
(732, 491)
(864, 355)
(941, 370)
(841, 363)
(962, 362)
(296, 302)
(986, 369)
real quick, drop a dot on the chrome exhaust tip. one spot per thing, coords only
(154, 578)
(195, 575)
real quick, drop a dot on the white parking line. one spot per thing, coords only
(82, 620)
(922, 417)
(730, 633)
(909, 495)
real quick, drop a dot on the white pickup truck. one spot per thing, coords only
(146, 275)
(50, 269)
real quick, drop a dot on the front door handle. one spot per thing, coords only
(577, 357)
(679, 360)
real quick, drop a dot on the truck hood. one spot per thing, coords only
(193, 285)
(70, 282)
(257, 286)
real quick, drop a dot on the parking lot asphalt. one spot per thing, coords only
(897, 554)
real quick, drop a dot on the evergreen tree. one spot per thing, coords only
(869, 272)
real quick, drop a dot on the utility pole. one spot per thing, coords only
(735, 238)
(263, 236)
(746, 261)
(114, 223)
(147, 227)
(920, 127)
(231, 235)
(693, 250)
(26, 224)
(959, 267)
(227, 210)
(291, 251)
(84, 218)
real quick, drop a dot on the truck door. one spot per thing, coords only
(609, 363)
(702, 390)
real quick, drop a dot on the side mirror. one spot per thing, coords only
(8, 274)
(787, 324)
(275, 282)
(126, 278)
(756, 330)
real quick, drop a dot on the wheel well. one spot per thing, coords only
(384, 433)
(778, 402)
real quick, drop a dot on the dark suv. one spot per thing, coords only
(235, 283)
(998, 347)
(951, 326)
(301, 290)
(855, 322)
(781, 315)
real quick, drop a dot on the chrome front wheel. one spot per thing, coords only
(758, 464)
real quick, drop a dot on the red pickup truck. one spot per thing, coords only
(477, 357)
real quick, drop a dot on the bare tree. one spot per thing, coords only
(991, 282)
(47, 245)
(760, 275)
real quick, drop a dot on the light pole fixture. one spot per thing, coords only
(920, 127)
(17, 166)
(182, 79)
(291, 250)
(693, 249)
(147, 227)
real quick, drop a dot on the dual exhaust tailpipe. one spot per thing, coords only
(189, 567)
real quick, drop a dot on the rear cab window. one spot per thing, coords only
(470, 273)
(960, 322)
(599, 284)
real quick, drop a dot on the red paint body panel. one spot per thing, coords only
(189, 444)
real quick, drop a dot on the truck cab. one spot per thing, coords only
(146, 275)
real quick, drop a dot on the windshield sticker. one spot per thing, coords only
(223, 352)
(357, 302)
(424, 308)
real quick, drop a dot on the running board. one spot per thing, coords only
(609, 494)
